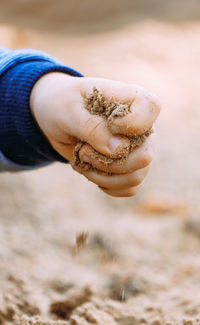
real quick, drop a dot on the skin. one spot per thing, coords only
(57, 105)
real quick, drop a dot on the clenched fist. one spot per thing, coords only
(58, 106)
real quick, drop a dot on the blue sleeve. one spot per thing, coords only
(22, 144)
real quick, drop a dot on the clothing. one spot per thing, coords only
(22, 144)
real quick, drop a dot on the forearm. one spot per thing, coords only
(22, 144)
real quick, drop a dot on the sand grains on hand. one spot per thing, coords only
(109, 109)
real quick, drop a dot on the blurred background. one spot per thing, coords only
(141, 254)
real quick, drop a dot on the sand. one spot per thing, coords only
(109, 109)
(141, 259)
(81, 241)
(97, 104)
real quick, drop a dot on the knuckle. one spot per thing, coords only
(137, 179)
(131, 192)
(126, 193)
(146, 159)
(109, 192)
(154, 103)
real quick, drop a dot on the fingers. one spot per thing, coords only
(132, 191)
(145, 106)
(110, 139)
(139, 158)
(96, 133)
(93, 129)
(116, 182)
(120, 91)
(144, 112)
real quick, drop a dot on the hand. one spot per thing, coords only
(57, 104)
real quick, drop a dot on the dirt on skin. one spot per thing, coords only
(141, 261)
(96, 104)
(109, 109)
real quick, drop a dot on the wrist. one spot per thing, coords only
(45, 99)
(41, 94)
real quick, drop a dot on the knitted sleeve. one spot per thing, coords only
(22, 144)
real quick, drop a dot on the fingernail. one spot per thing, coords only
(86, 159)
(114, 143)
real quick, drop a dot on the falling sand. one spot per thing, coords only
(81, 241)
(109, 109)
(140, 264)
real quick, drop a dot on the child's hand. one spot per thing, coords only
(57, 104)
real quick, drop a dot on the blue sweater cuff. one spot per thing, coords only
(7, 165)
(21, 141)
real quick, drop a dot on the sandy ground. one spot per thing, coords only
(140, 263)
